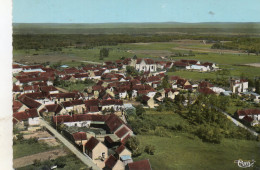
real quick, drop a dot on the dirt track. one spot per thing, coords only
(28, 160)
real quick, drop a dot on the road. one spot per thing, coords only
(237, 123)
(43, 156)
(72, 148)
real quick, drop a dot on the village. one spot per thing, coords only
(95, 120)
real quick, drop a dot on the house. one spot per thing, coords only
(145, 65)
(97, 151)
(123, 151)
(16, 68)
(31, 89)
(148, 101)
(238, 86)
(253, 113)
(80, 138)
(255, 97)
(30, 103)
(114, 164)
(75, 106)
(51, 110)
(28, 117)
(49, 90)
(117, 105)
(218, 90)
(200, 68)
(139, 165)
(181, 65)
(182, 83)
(206, 91)
(62, 97)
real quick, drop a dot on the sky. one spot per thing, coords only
(107, 11)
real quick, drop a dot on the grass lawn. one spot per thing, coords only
(185, 151)
(79, 87)
(72, 162)
(194, 75)
(25, 149)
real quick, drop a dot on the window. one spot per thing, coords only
(103, 154)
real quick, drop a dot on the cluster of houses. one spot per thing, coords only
(94, 119)
(149, 65)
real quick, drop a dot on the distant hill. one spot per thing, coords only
(136, 28)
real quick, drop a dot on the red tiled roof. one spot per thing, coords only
(122, 132)
(48, 88)
(72, 103)
(120, 149)
(34, 87)
(140, 165)
(91, 144)
(93, 109)
(248, 112)
(16, 88)
(111, 102)
(187, 87)
(181, 82)
(206, 91)
(53, 108)
(16, 105)
(248, 119)
(29, 113)
(36, 95)
(189, 61)
(64, 95)
(110, 162)
(204, 84)
(79, 136)
(16, 66)
(180, 64)
(93, 102)
(29, 102)
(145, 98)
(113, 122)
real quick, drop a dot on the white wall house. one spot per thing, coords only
(239, 86)
(146, 65)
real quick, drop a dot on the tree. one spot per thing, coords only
(131, 71)
(165, 82)
(140, 110)
(104, 52)
(150, 149)
(134, 145)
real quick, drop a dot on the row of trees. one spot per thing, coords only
(58, 41)
(250, 45)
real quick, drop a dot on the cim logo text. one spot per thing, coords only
(244, 163)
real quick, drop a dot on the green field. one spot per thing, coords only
(25, 149)
(185, 151)
(71, 161)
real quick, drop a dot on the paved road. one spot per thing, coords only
(72, 148)
(237, 123)
(43, 156)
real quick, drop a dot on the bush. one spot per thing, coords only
(36, 162)
(209, 134)
(60, 162)
(150, 149)
(32, 140)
